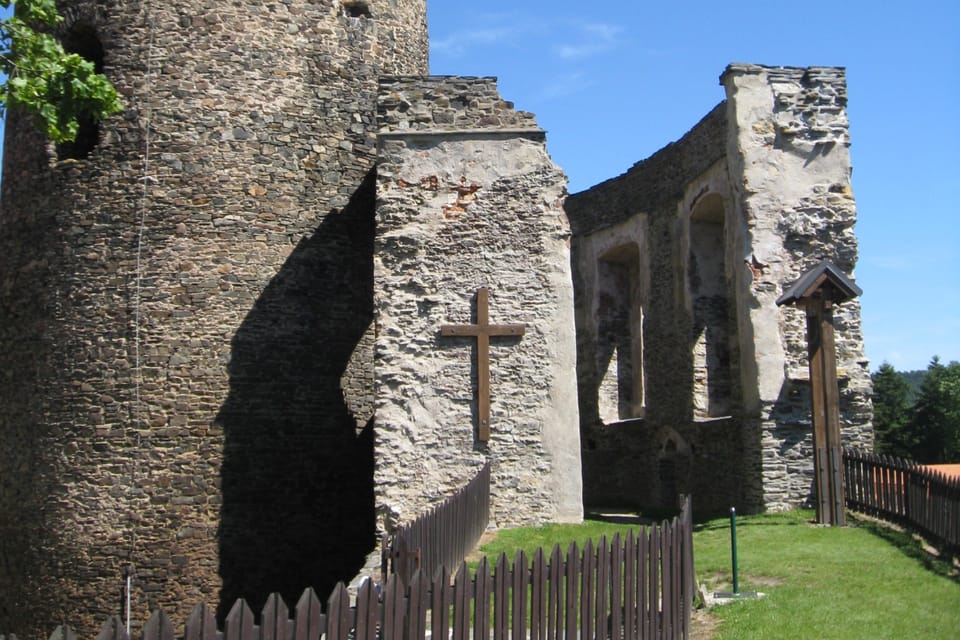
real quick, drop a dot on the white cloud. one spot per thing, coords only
(589, 40)
(458, 42)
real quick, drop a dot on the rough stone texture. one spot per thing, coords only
(714, 227)
(468, 197)
(240, 460)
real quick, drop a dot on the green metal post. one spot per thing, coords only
(733, 549)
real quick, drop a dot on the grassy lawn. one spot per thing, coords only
(863, 581)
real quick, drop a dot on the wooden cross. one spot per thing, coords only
(482, 330)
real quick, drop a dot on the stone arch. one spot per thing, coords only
(82, 38)
(673, 466)
(710, 307)
(620, 312)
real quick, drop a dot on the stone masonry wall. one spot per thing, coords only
(467, 197)
(189, 396)
(790, 167)
(646, 462)
(772, 164)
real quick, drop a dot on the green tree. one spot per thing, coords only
(935, 424)
(57, 87)
(891, 412)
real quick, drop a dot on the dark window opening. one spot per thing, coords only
(82, 39)
(356, 9)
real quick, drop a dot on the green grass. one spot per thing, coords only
(862, 581)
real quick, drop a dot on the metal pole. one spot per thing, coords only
(733, 549)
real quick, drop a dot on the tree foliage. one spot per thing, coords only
(891, 411)
(928, 431)
(57, 87)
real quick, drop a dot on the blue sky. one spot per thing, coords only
(613, 82)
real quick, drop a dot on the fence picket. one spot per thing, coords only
(637, 586)
(418, 603)
(461, 603)
(903, 492)
(366, 612)
(338, 614)
(483, 588)
(273, 618)
(588, 586)
(310, 622)
(519, 609)
(501, 598)
(62, 632)
(555, 596)
(538, 597)
(441, 600)
(158, 627)
(202, 625)
(603, 587)
(239, 623)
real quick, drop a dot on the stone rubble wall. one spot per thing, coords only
(775, 158)
(790, 170)
(467, 197)
(236, 467)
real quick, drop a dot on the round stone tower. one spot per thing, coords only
(185, 311)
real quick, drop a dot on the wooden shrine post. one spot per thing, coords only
(482, 330)
(817, 291)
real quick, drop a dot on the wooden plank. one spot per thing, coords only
(501, 599)
(366, 611)
(666, 576)
(394, 608)
(441, 599)
(632, 589)
(239, 623)
(572, 571)
(417, 604)
(273, 618)
(339, 619)
(588, 589)
(461, 603)
(539, 588)
(202, 625)
(617, 567)
(309, 622)
(555, 595)
(158, 627)
(653, 584)
(520, 587)
(113, 629)
(62, 632)
(601, 619)
(483, 588)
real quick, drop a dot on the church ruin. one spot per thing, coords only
(223, 362)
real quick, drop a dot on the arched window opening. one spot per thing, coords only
(620, 335)
(82, 39)
(356, 9)
(708, 291)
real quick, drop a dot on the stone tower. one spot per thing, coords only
(185, 311)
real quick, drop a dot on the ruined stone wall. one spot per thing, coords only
(790, 168)
(186, 397)
(663, 451)
(729, 216)
(467, 197)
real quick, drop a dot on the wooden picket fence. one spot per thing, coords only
(441, 537)
(633, 587)
(904, 492)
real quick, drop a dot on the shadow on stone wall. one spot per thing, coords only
(297, 479)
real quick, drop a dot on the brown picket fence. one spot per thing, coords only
(443, 536)
(633, 587)
(906, 493)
